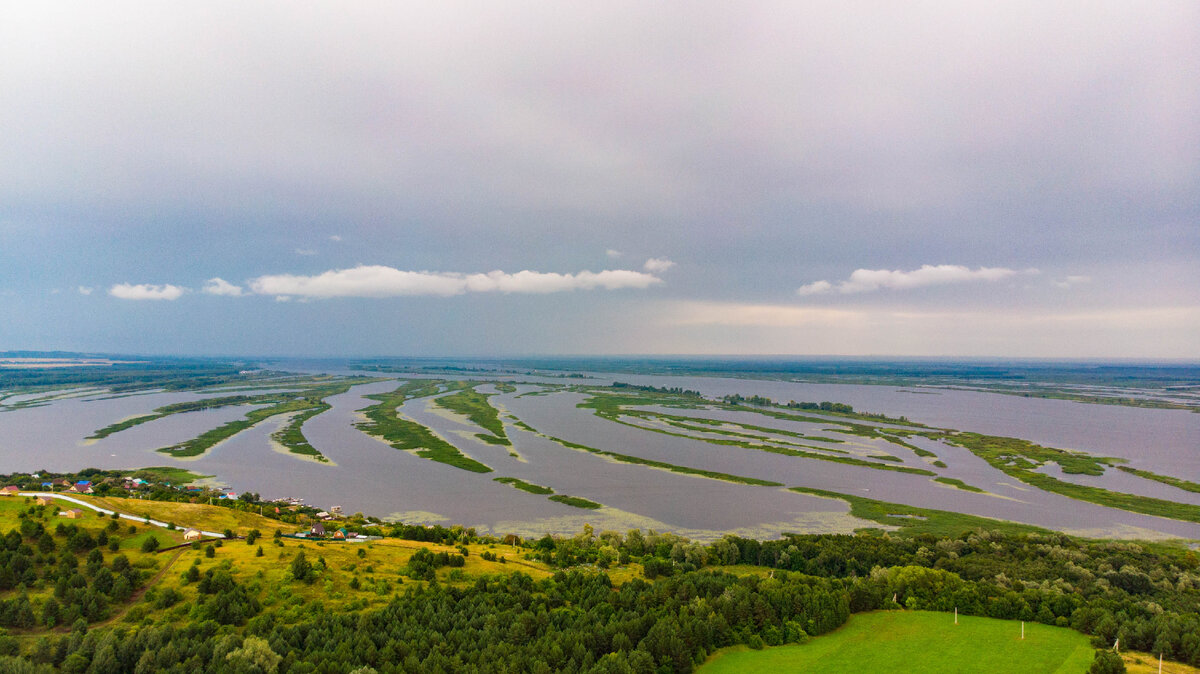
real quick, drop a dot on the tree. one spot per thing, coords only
(254, 655)
(301, 569)
(150, 544)
(1107, 662)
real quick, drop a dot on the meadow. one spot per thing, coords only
(918, 641)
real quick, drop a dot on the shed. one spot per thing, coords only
(43, 500)
(73, 513)
(191, 535)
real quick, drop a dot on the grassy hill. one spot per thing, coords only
(919, 641)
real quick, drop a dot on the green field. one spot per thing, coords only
(919, 641)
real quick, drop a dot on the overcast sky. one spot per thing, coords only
(440, 178)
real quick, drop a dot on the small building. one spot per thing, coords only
(10, 490)
(318, 529)
(72, 514)
(341, 534)
(43, 500)
(81, 488)
(192, 535)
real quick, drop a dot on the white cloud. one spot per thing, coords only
(305, 251)
(611, 252)
(335, 237)
(656, 265)
(85, 290)
(870, 280)
(219, 286)
(815, 288)
(146, 291)
(1072, 281)
(381, 281)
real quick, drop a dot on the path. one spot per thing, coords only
(144, 520)
(137, 594)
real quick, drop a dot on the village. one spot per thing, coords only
(50, 491)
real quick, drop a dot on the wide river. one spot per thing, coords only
(371, 477)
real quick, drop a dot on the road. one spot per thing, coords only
(85, 504)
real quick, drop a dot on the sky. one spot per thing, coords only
(1016, 179)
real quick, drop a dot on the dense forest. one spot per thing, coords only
(691, 600)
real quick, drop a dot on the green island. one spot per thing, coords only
(1015, 457)
(179, 408)
(575, 502)
(383, 421)
(912, 521)
(474, 405)
(303, 404)
(614, 407)
(626, 458)
(957, 483)
(523, 485)
(1179, 483)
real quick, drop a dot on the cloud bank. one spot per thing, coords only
(870, 280)
(382, 281)
(146, 291)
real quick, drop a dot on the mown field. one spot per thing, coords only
(919, 641)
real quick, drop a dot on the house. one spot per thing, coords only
(318, 529)
(73, 514)
(43, 500)
(61, 482)
(10, 490)
(81, 488)
(341, 534)
(191, 535)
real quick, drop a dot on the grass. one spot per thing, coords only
(200, 444)
(683, 470)
(1017, 458)
(177, 408)
(93, 523)
(474, 405)
(384, 422)
(1165, 479)
(919, 641)
(575, 502)
(169, 474)
(955, 482)
(292, 437)
(613, 407)
(523, 485)
(913, 520)
(1144, 663)
(183, 515)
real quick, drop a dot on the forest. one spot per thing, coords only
(632, 602)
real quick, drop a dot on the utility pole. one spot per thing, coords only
(1022, 629)
(955, 615)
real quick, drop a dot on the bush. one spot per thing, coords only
(1107, 662)
(150, 544)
